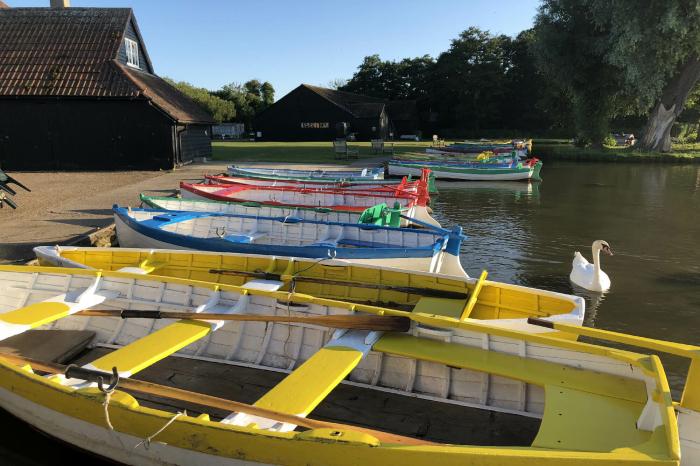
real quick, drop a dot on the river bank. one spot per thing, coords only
(549, 150)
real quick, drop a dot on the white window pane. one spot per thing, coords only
(132, 52)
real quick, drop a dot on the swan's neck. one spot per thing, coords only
(596, 264)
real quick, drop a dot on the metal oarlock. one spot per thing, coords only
(90, 375)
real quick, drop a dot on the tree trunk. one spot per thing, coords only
(657, 133)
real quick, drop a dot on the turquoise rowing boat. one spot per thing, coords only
(525, 170)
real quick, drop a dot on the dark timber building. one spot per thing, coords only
(78, 92)
(311, 113)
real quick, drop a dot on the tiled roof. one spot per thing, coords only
(72, 52)
(62, 52)
(348, 100)
(167, 97)
(367, 109)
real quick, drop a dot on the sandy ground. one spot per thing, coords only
(64, 205)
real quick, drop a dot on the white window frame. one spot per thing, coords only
(132, 53)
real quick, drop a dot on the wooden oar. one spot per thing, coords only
(356, 321)
(209, 401)
(427, 292)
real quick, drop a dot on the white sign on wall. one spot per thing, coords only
(315, 125)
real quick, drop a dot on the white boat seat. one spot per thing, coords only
(245, 238)
(264, 285)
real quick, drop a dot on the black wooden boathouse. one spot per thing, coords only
(78, 92)
(312, 113)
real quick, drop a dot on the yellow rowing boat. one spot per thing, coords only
(592, 404)
(450, 296)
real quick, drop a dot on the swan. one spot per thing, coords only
(590, 276)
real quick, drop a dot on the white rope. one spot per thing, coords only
(147, 441)
(108, 397)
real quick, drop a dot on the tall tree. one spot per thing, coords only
(249, 98)
(267, 94)
(622, 58)
(532, 103)
(469, 81)
(220, 109)
(367, 80)
(336, 83)
(656, 45)
(570, 49)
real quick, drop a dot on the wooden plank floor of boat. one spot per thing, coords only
(48, 345)
(390, 412)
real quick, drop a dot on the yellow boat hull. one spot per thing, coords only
(598, 405)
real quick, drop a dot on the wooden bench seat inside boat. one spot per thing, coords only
(584, 410)
(48, 345)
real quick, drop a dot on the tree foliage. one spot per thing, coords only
(249, 98)
(647, 43)
(569, 49)
(482, 81)
(220, 109)
(393, 80)
(621, 58)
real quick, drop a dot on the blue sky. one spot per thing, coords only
(213, 42)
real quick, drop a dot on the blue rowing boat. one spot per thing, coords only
(431, 249)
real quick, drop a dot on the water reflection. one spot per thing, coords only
(526, 233)
(594, 299)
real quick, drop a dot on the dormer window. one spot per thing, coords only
(132, 53)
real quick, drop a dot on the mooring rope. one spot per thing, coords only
(147, 441)
(105, 404)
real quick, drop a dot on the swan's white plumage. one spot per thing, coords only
(583, 273)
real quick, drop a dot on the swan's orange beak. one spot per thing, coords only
(607, 250)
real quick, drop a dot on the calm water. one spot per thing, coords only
(650, 215)
(527, 234)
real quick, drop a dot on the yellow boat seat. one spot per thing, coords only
(162, 343)
(440, 306)
(584, 410)
(307, 386)
(35, 315)
(152, 348)
(512, 366)
(581, 421)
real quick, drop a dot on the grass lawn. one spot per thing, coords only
(547, 149)
(300, 152)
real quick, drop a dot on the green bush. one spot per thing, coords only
(609, 141)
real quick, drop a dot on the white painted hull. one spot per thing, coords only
(195, 204)
(314, 184)
(116, 446)
(402, 170)
(128, 238)
(308, 198)
(415, 211)
(443, 262)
